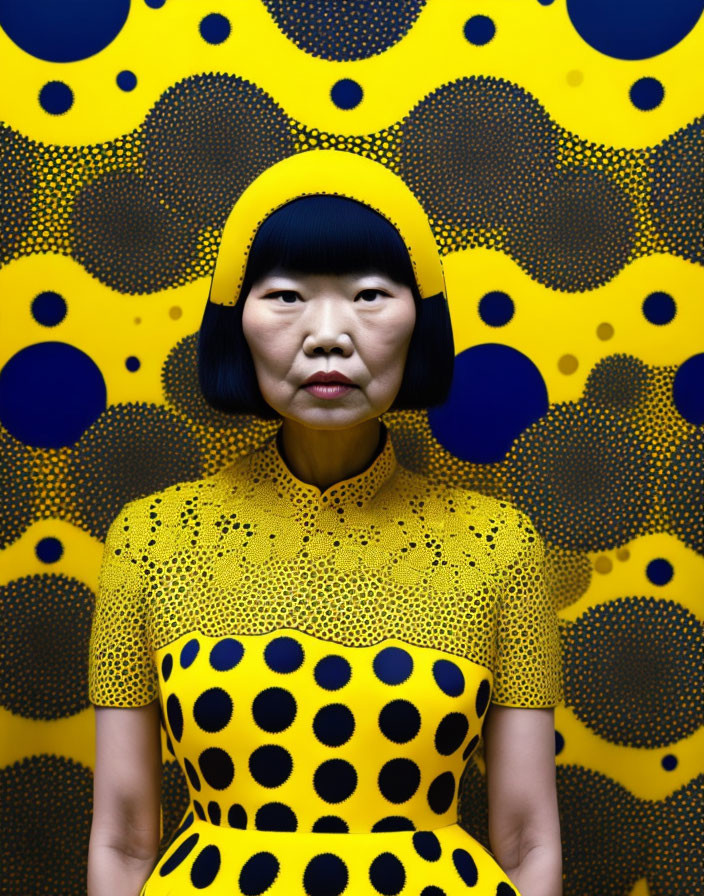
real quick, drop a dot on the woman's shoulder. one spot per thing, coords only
(442, 495)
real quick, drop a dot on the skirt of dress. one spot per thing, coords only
(217, 860)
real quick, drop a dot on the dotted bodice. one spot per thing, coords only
(324, 661)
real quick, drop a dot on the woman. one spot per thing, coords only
(323, 634)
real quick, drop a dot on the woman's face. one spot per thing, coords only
(358, 325)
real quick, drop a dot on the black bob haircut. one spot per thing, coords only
(324, 234)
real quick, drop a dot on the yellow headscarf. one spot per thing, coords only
(333, 172)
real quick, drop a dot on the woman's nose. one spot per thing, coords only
(327, 327)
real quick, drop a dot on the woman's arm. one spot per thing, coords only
(524, 824)
(125, 832)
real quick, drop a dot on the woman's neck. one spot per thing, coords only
(322, 457)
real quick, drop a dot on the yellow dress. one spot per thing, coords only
(324, 661)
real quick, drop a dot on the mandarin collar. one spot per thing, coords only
(358, 489)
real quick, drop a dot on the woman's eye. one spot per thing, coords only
(374, 292)
(284, 292)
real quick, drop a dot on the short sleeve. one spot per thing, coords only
(528, 669)
(121, 669)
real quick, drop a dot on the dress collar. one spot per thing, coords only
(269, 464)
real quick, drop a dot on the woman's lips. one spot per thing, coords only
(328, 390)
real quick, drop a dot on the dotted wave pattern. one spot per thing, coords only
(491, 168)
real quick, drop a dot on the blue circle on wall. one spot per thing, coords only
(50, 393)
(659, 571)
(215, 28)
(659, 308)
(346, 93)
(55, 97)
(63, 30)
(479, 30)
(126, 80)
(49, 549)
(688, 389)
(49, 308)
(497, 392)
(496, 308)
(132, 363)
(632, 29)
(646, 94)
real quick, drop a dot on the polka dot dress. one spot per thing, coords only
(314, 683)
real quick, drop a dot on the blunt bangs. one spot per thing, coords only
(324, 234)
(328, 235)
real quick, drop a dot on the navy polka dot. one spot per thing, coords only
(451, 733)
(399, 780)
(332, 672)
(330, 824)
(346, 93)
(213, 710)
(669, 762)
(200, 811)
(48, 309)
(217, 767)
(126, 80)
(178, 855)
(187, 822)
(479, 30)
(432, 891)
(659, 308)
(392, 665)
(55, 97)
(270, 765)
(427, 845)
(274, 709)
(393, 823)
(275, 817)
(192, 774)
(505, 889)
(283, 655)
(214, 813)
(646, 94)
(335, 780)
(496, 308)
(465, 865)
(49, 549)
(333, 725)
(258, 873)
(63, 31)
(469, 749)
(483, 694)
(226, 654)
(399, 721)
(441, 793)
(631, 29)
(659, 571)
(325, 875)
(215, 28)
(132, 364)
(448, 677)
(189, 652)
(155, 4)
(205, 867)
(175, 716)
(237, 817)
(167, 664)
(387, 874)
(34, 384)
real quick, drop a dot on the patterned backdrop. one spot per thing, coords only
(558, 152)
